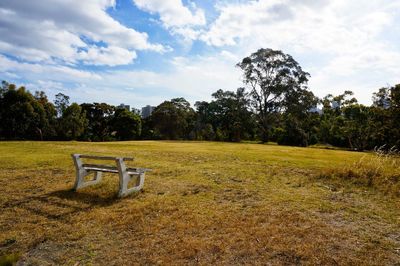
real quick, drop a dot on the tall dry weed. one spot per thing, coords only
(380, 170)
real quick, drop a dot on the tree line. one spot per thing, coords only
(275, 104)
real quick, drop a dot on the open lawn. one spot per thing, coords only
(204, 203)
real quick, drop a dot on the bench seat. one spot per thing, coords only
(111, 169)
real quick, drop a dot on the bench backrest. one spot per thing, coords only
(102, 157)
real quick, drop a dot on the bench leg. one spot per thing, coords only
(81, 173)
(81, 183)
(125, 177)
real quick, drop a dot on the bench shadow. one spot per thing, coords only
(61, 205)
(91, 199)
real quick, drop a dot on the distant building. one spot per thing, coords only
(386, 103)
(147, 110)
(124, 106)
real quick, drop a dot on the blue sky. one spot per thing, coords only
(142, 52)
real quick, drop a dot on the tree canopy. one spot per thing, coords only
(272, 77)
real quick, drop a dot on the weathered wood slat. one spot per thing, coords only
(101, 166)
(112, 169)
(141, 170)
(104, 157)
(101, 170)
(128, 170)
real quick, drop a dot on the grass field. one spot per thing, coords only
(204, 203)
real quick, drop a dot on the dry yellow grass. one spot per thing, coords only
(204, 203)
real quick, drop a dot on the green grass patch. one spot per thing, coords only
(9, 259)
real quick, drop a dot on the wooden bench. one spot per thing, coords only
(126, 174)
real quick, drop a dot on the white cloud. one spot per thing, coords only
(36, 71)
(195, 79)
(111, 56)
(172, 12)
(176, 17)
(341, 42)
(328, 26)
(46, 30)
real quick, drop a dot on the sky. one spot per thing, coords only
(141, 52)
